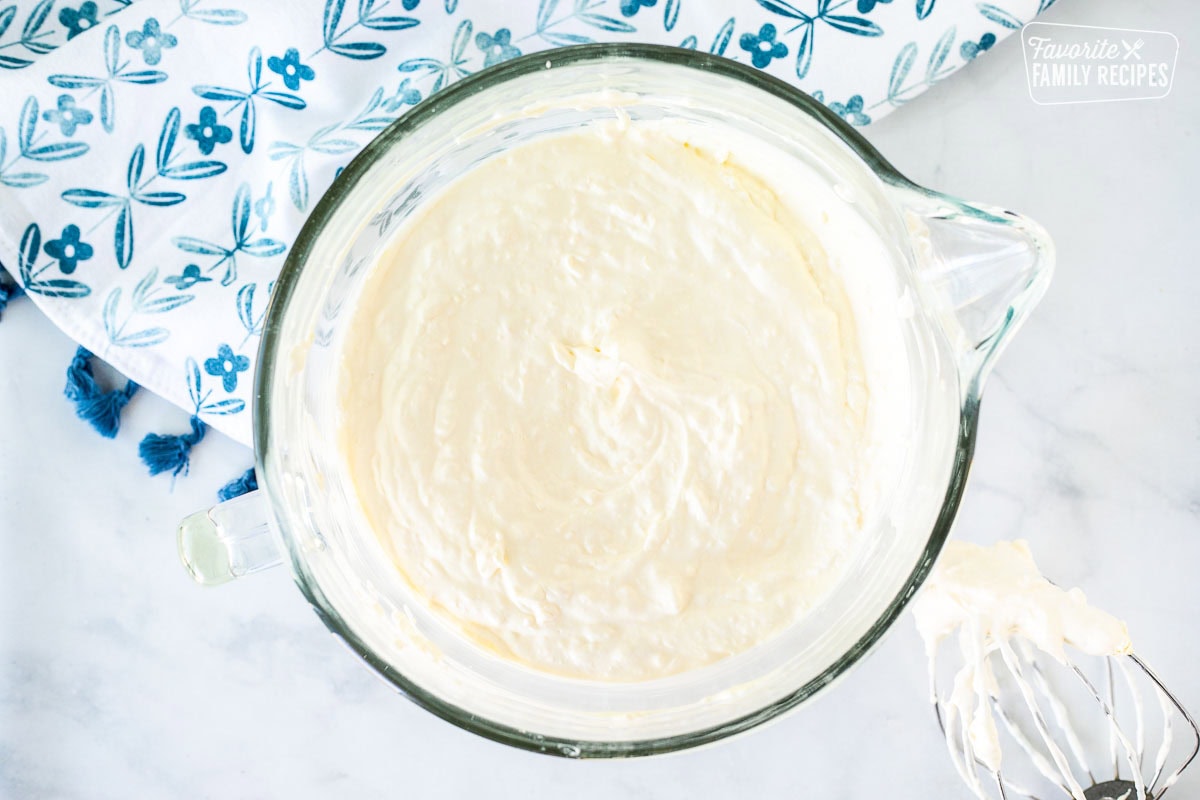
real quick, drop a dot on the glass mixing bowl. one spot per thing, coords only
(967, 274)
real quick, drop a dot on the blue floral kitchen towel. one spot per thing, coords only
(157, 158)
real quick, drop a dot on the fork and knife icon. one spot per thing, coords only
(1132, 49)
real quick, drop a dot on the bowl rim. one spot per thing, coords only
(268, 358)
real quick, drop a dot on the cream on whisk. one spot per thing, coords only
(990, 597)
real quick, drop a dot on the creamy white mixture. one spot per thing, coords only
(991, 596)
(615, 403)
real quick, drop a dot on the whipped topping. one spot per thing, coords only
(617, 406)
(991, 596)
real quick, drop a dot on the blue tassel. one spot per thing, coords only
(239, 486)
(8, 291)
(170, 453)
(102, 409)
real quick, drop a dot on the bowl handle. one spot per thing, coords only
(228, 540)
(983, 270)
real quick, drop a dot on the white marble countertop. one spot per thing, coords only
(119, 678)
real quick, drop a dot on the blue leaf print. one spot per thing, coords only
(900, 69)
(22, 180)
(192, 245)
(282, 99)
(193, 381)
(369, 19)
(690, 42)
(298, 184)
(27, 252)
(142, 301)
(361, 51)
(240, 214)
(143, 338)
(123, 237)
(856, 25)
(444, 71)
(544, 13)
(671, 14)
(213, 16)
(59, 287)
(804, 52)
(12, 62)
(721, 42)
(560, 39)
(924, 8)
(785, 9)
(365, 50)
(36, 19)
(133, 173)
(999, 16)
(108, 108)
(867, 6)
(160, 198)
(231, 405)
(604, 23)
(31, 33)
(938, 57)
(91, 198)
(245, 304)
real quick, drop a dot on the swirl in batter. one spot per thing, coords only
(604, 404)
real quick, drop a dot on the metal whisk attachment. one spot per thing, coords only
(1077, 730)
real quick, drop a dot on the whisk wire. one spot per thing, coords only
(1039, 722)
(1139, 781)
(1061, 717)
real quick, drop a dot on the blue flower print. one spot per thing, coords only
(409, 5)
(496, 48)
(631, 7)
(151, 41)
(763, 47)
(76, 21)
(208, 133)
(226, 366)
(405, 96)
(867, 6)
(971, 49)
(290, 69)
(67, 115)
(68, 250)
(852, 111)
(190, 277)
